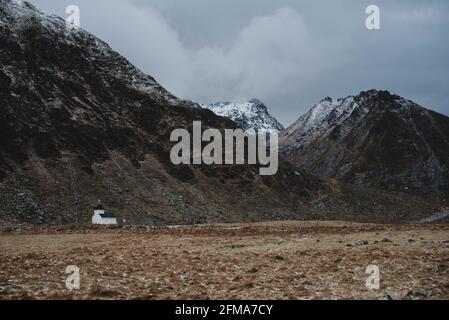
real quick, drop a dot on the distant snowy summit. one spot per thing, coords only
(250, 115)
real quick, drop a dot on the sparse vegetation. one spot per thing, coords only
(241, 261)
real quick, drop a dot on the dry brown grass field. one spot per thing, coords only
(290, 260)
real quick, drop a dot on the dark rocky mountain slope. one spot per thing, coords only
(375, 139)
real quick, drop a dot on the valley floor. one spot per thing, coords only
(290, 260)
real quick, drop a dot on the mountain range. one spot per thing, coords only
(79, 123)
(375, 139)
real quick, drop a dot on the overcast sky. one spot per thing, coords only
(288, 53)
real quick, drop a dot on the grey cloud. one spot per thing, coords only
(287, 53)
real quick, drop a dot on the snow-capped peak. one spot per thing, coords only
(326, 111)
(249, 115)
(329, 113)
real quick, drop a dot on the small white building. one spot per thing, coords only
(102, 217)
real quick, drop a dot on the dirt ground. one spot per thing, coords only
(290, 260)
